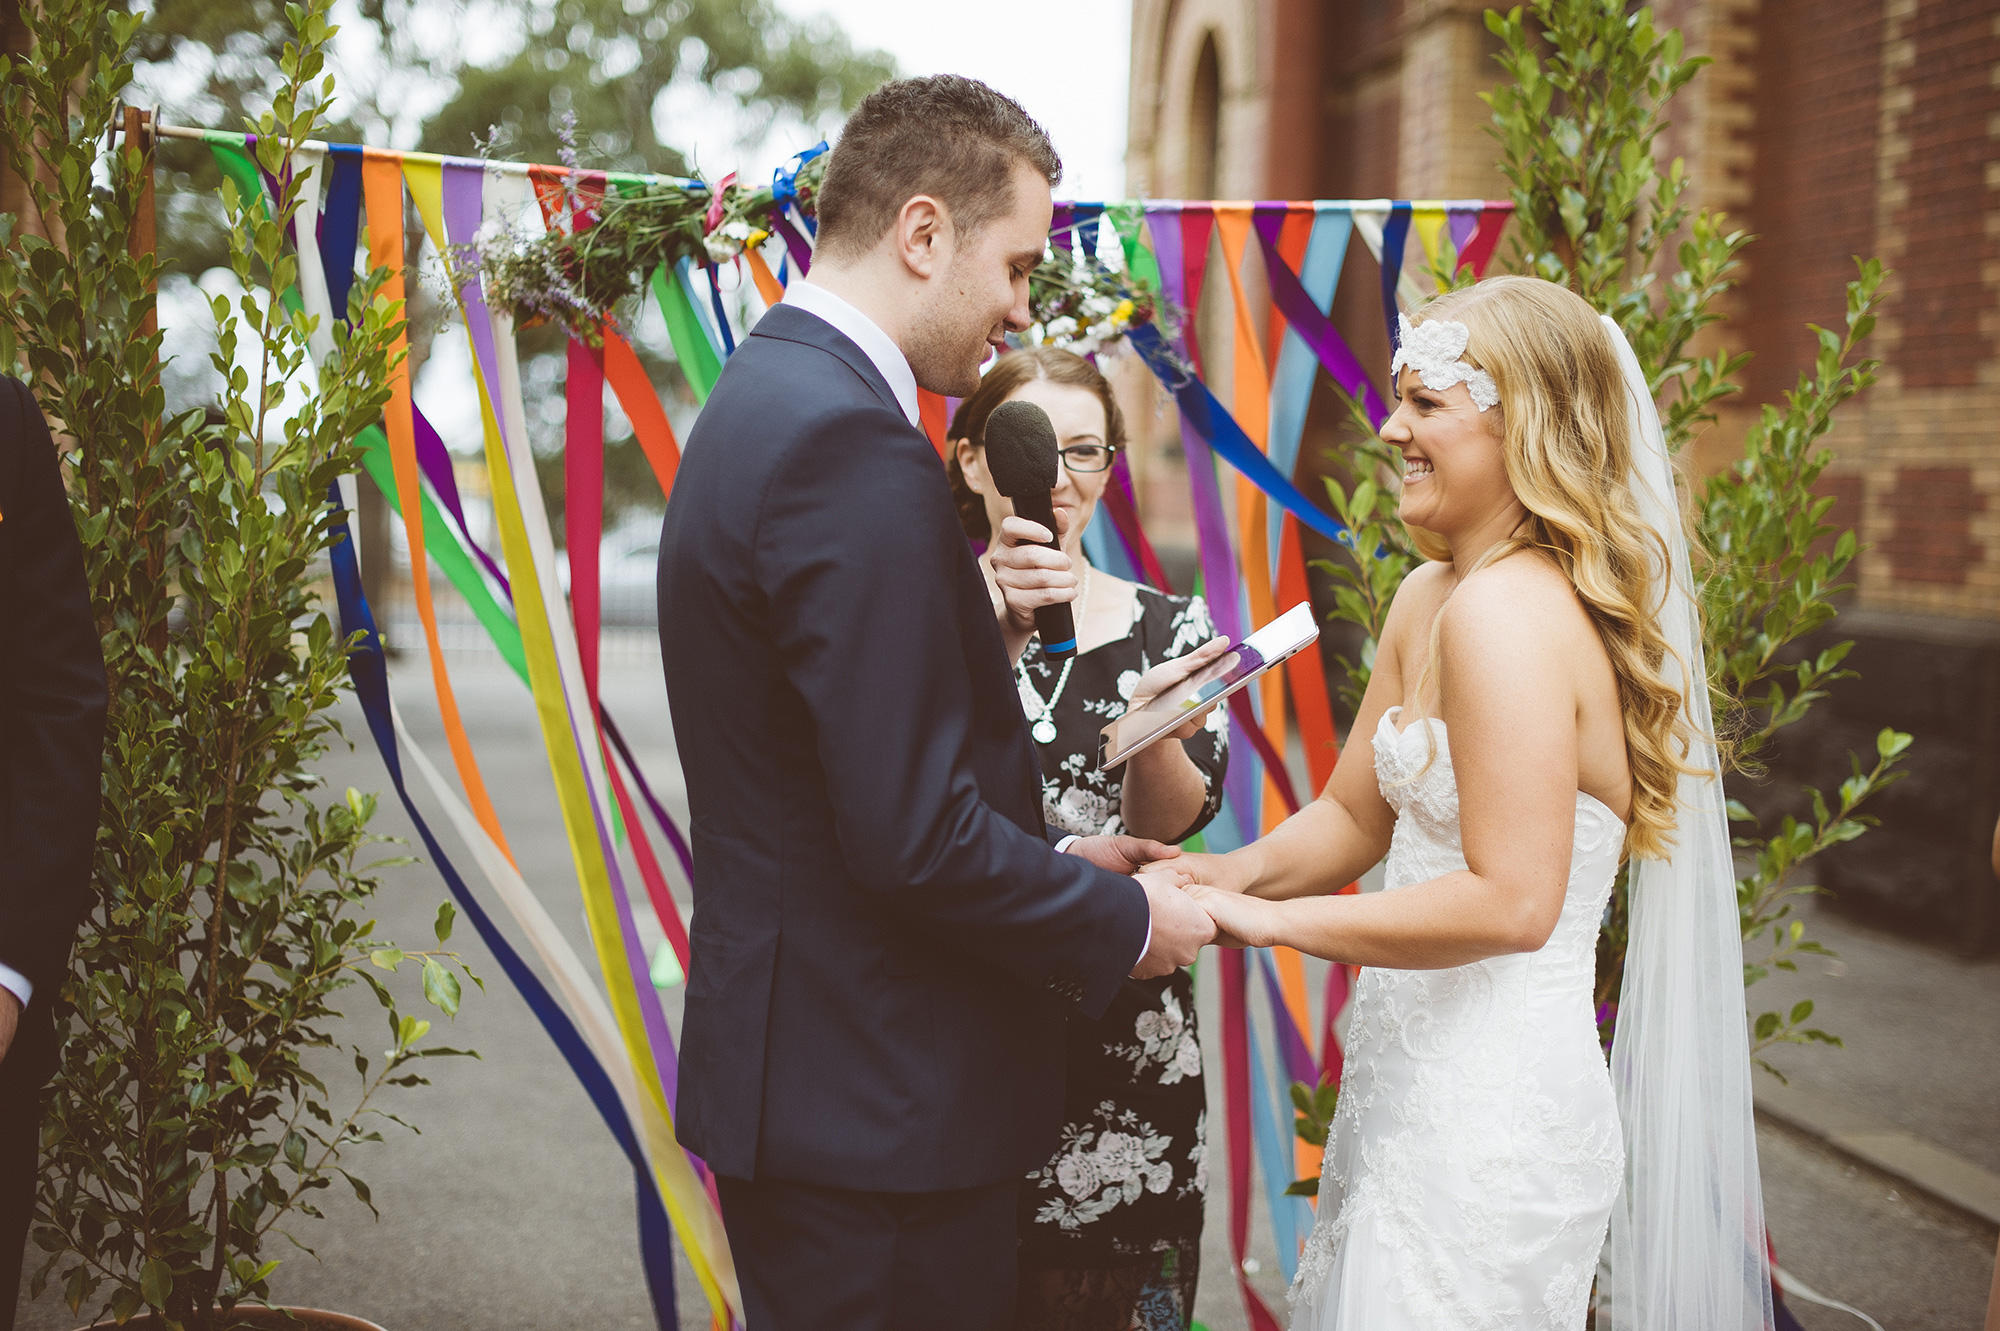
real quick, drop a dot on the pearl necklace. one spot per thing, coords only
(1044, 728)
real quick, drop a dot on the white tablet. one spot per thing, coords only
(1193, 696)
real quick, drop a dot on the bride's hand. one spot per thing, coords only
(1224, 873)
(1240, 921)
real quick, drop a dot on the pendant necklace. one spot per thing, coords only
(1044, 729)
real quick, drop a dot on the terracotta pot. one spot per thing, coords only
(267, 1319)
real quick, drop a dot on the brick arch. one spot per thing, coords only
(1167, 40)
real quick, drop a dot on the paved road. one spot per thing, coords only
(513, 1211)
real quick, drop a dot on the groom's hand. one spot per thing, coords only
(1180, 927)
(1122, 854)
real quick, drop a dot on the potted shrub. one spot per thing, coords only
(186, 1123)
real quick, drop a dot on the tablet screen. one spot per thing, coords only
(1202, 690)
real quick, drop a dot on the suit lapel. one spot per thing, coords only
(788, 323)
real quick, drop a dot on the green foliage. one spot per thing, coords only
(1577, 125)
(606, 62)
(1378, 559)
(186, 1119)
(1595, 210)
(1312, 1119)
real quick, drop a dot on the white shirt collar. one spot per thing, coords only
(865, 333)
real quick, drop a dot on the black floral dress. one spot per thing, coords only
(1111, 1225)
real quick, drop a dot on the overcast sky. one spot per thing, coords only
(1066, 61)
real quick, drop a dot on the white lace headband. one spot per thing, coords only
(1433, 349)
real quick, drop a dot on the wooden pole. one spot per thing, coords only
(142, 242)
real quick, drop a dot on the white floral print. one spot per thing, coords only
(1114, 1161)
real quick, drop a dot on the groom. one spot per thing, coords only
(885, 946)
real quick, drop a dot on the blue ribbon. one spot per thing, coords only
(1212, 421)
(340, 224)
(1087, 215)
(1395, 236)
(1292, 383)
(721, 318)
(785, 180)
(1268, 1133)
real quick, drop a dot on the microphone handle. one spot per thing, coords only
(1055, 623)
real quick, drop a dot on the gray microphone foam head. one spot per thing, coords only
(1021, 449)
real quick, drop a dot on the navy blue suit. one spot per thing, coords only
(885, 946)
(52, 706)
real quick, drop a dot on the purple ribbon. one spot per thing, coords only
(1218, 564)
(1313, 327)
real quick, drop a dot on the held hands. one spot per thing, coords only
(1223, 873)
(1218, 885)
(1128, 854)
(1240, 920)
(1179, 926)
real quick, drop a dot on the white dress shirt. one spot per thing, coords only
(865, 333)
(894, 367)
(16, 984)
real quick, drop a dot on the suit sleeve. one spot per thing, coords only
(857, 550)
(52, 703)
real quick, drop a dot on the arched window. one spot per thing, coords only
(1204, 122)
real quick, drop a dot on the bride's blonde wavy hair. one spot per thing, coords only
(1567, 447)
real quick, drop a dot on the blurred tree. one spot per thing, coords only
(454, 76)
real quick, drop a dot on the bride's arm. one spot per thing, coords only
(1509, 707)
(1345, 832)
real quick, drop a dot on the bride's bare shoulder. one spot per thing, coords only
(1523, 598)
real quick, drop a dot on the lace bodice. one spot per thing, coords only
(1415, 772)
(1475, 1152)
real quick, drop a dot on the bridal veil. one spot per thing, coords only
(1686, 1249)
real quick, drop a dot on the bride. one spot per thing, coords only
(1528, 731)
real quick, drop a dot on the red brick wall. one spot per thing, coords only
(1817, 109)
(1845, 488)
(1954, 102)
(1930, 537)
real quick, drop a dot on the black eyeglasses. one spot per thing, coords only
(1086, 458)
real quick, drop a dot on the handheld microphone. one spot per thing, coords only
(1021, 458)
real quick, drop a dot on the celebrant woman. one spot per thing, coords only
(1529, 725)
(1111, 1225)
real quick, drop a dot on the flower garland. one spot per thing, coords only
(597, 251)
(1082, 304)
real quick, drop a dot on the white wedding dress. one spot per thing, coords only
(1476, 1151)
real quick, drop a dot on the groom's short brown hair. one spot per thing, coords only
(950, 137)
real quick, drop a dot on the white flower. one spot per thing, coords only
(1127, 682)
(1120, 1157)
(738, 230)
(1188, 1058)
(1097, 306)
(1078, 1175)
(721, 249)
(1062, 327)
(1159, 1178)
(1148, 1026)
(1101, 332)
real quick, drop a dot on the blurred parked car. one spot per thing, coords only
(628, 568)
